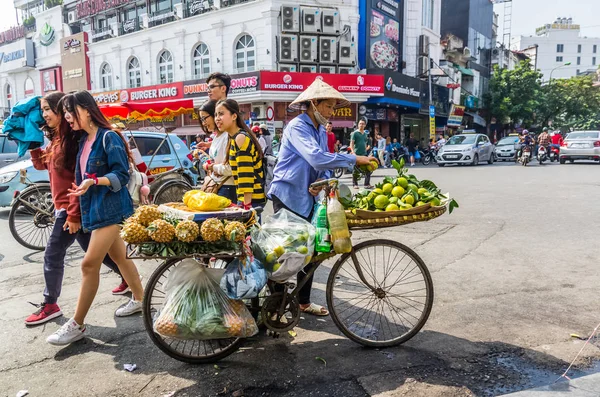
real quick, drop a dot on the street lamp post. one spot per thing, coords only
(558, 67)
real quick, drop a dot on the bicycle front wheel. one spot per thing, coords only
(380, 294)
(171, 191)
(31, 218)
(189, 351)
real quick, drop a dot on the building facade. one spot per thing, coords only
(560, 43)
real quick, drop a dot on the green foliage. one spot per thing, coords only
(29, 21)
(53, 3)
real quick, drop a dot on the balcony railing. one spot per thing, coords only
(101, 34)
(229, 3)
(161, 17)
(129, 26)
(198, 7)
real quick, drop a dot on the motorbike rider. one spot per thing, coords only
(526, 140)
(544, 139)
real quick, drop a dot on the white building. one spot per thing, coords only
(559, 43)
(422, 35)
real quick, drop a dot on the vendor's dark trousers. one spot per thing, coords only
(54, 257)
(367, 179)
(304, 293)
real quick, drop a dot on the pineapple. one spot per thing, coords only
(171, 219)
(146, 214)
(212, 230)
(235, 231)
(161, 231)
(134, 233)
(165, 326)
(187, 231)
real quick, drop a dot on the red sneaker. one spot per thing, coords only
(122, 289)
(46, 312)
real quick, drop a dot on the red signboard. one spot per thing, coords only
(51, 80)
(12, 34)
(347, 83)
(154, 93)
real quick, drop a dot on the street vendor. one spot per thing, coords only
(304, 158)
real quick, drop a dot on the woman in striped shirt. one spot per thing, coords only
(245, 154)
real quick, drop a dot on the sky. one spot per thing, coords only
(527, 15)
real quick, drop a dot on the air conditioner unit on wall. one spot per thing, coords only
(308, 68)
(345, 70)
(311, 19)
(331, 21)
(71, 17)
(288, 48)
(422, 66)
(423, 45)
(347, 53)
(327, 69)
(260, 111)
(287, 67)
(290, 18)
(308, 49)
(328, 49)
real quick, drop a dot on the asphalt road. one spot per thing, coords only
(514, 269)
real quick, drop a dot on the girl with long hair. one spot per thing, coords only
(245, 154)
(219, 168)
(102, 174)
(58, 158)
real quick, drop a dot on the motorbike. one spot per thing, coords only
(338, 172)
(525, 156)
(542, 154)
(554, 153)
(428, 156)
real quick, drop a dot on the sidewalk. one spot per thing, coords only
(586, 386)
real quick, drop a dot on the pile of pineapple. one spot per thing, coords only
(157, 233)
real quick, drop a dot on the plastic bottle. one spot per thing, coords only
(338, 227)
(322, 238)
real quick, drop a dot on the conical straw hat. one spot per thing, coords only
(319, 90)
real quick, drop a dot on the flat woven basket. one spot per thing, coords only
(371, 220)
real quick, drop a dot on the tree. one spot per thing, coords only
(514, 95)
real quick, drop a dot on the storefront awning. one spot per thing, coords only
(477, 119)
(342, 123)
(393, 101)
(468, 72)
(188, 130)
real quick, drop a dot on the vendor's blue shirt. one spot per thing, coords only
(303, 158)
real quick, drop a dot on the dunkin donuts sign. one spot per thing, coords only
(240, 84)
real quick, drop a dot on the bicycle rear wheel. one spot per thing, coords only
(28, 220)
(189, 351)
(171, 191)
(392, 300)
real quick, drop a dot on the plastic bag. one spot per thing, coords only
(285, 244)
(197, 308)
(244, 280)
(201, 201)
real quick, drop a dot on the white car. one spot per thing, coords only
(506, 148)
(466, 149)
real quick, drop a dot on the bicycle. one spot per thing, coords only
(379, 295)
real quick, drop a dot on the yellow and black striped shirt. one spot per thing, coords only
(247, 169)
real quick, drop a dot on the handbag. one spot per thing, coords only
(212, 186)
(136, 179)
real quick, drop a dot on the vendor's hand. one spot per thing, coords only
(365, 160)
(81, 189)
(72, 227)
(315, 191)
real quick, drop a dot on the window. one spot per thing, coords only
(148, 146)
(579, 48)
(428, 10)
(134, 73)
(245, 58)
(559, 59)
(8, 96)
(29, 89)
(594, 61)
(560, 48)
(595, 49)
(105, 77)
(579, 60)
(165, 67)
(201, 61)
(9, 146)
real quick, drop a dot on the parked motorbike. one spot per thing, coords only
(429, 156)
(525, 156)
(542, 154)
(338, 172)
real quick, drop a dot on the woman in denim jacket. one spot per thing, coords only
(101, 173)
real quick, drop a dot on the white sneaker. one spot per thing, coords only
(130, 308)
(68, 333)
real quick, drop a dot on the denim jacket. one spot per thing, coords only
(105, 205)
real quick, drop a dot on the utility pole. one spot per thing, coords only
(431, 106)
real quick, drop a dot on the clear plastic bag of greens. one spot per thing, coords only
(197, 308)
(284, 244)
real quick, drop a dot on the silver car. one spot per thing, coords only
(466, 149)
(8, 151)
(506, 149)
(580, 145)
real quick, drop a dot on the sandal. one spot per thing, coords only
(370, 187)
(356, 187)
(315, 310)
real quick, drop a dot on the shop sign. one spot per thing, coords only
(456, 116)
(73, 73)
(400, 86)
(240, 84)
(73, 45)
(75, 63)
(382, 33)
(25, 57)
(13, 56)
(12, 34)
(376, 114)
(432, 122)
(107, 97)
(92, 7)
(343, 113)
(440, 98)
(160, 17)
(196, 6)
(47, 35)
(129, 25)
(153, 93)
(50, 79)
(349, 83)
